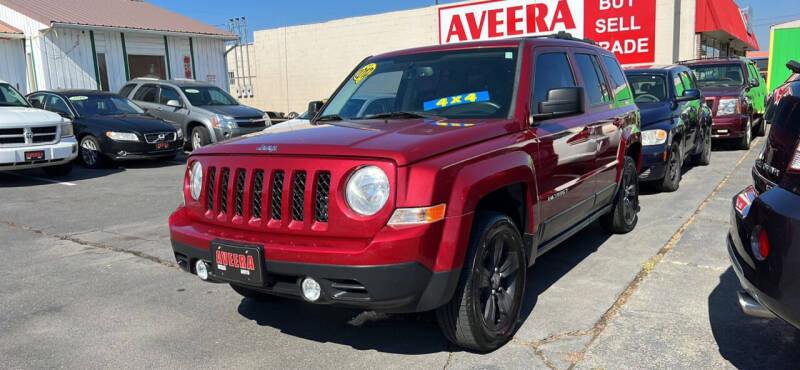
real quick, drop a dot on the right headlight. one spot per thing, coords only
(367, 190)
(196, 180)
(654, 137)
(225, 122)
(728, 106)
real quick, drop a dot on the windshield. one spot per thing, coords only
(718, 75)
(9, 97)
(201, 96)
(648, 88)
(103, 105)
(450, 84)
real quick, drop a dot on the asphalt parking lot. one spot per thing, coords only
(90, 282)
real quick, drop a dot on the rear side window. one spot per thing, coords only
(126, 90)
(618, 82)
(56, 104)
(552, 72)
(168, 94)
(688, 81)
(593, 79)
(147, 93)
(679, 88)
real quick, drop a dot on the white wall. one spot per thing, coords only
(66, 58)
(12, 64)
(209, 56)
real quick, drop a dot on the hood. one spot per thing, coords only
(24, 116)
(235, 111)
(655, 112)
(717, 91)
(130, 122)
(403, 140)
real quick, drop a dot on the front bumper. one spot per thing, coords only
(344, 273)
(654, 166)
(54, 154)
(131, 150)
(729, 127)
(772, 282)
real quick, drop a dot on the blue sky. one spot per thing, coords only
(263, 14)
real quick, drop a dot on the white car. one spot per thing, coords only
(33, 138)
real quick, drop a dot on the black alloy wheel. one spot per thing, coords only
(624, 212)
(704, 157)
(90, 154)
(744, 144)
(672, 175)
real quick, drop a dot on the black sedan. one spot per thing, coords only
(676, 125)
(764, 238)
(110, 127)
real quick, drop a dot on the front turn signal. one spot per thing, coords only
(417, 216)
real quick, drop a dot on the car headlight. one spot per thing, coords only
(654, 137)
(367, 190)
(728, 106)
(196, 180)
(122, 136)
(66, 128)
(224, 122)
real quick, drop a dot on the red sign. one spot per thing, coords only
(187, 67)
(626, 27)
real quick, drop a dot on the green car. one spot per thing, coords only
(735, 92)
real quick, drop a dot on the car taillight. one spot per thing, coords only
(794, 165)
(759, 243)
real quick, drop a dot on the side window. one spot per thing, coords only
(167, 94)
(147, 93)
(593, 79)
(126, 90)
(37, 101)
(688, 81)
(620, 85)
(552, 72)
(753, 73)
(56, 104)
(679, 88)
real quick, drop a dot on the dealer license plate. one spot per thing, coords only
(162, 145)
(240, 264)
(34, 156)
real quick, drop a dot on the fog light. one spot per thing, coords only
(202, 270)
(311, 289)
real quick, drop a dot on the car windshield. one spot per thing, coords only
(648, 88)
(10, 97)
(201, 96)
(449, 84)
(718, 74)
(103, 105)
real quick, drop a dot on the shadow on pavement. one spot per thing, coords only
(749, 342)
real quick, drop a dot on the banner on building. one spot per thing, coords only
(626, 27)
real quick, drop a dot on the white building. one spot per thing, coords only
(12, 56)
(101, 44)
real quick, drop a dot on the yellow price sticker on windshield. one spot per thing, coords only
(364, 72)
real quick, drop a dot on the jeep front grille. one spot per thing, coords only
(322, 196)
(298, 194)
(223, 188)
(277, 195)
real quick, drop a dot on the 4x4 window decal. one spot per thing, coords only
(450, 101)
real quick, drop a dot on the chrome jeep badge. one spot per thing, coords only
(267, 148)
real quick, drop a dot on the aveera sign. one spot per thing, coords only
(626, 27)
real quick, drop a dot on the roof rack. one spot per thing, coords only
(708, 58)
(563, 35)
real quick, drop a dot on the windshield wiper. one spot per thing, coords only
(400, 114)
(329, 117)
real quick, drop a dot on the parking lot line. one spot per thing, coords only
(44, 179)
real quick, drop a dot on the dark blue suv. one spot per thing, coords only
(676, 125)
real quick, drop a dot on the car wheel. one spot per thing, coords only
(748, 135)
(58, 171)
(250, 293)
(704, 157)
(762, 127)
(624, 212)
(486, 306)
(90, 154)
(200, 137)
(672, 176)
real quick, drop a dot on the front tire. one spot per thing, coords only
(744, 143)
(672, 176)
(58, 171)
(90, 154)
(624, 212)
(200, 137)
(485, 309)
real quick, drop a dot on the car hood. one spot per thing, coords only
(716, 91)
(235, 111)
(655, 112)
(402, 140)
(130, 122)
(24, 116)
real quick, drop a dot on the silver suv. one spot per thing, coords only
(205, 113)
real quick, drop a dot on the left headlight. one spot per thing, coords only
(367, 190)
(66, 128)
(196, 180)
(654, 137)
(122, 136)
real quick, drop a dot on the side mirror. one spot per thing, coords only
(793, 66)
(561, 102)
(314, 108)
(755, 83)
(691, 94)
(174, 104)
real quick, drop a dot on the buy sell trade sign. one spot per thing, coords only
(626, 27)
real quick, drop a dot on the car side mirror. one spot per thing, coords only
(793, 66)
(314, 108)
(755, 83)
(174, 104)
(564, 101)
(691, 94)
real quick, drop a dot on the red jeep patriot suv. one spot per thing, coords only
(431, 179)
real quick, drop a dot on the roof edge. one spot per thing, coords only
(143, 30)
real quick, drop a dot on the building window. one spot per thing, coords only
(151, 66)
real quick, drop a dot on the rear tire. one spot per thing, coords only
(672, 176)
(200, 137)
(624, 213)
(58, 171)
(704, 157)
(744, 142)
(484, 312)
(252, 294)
